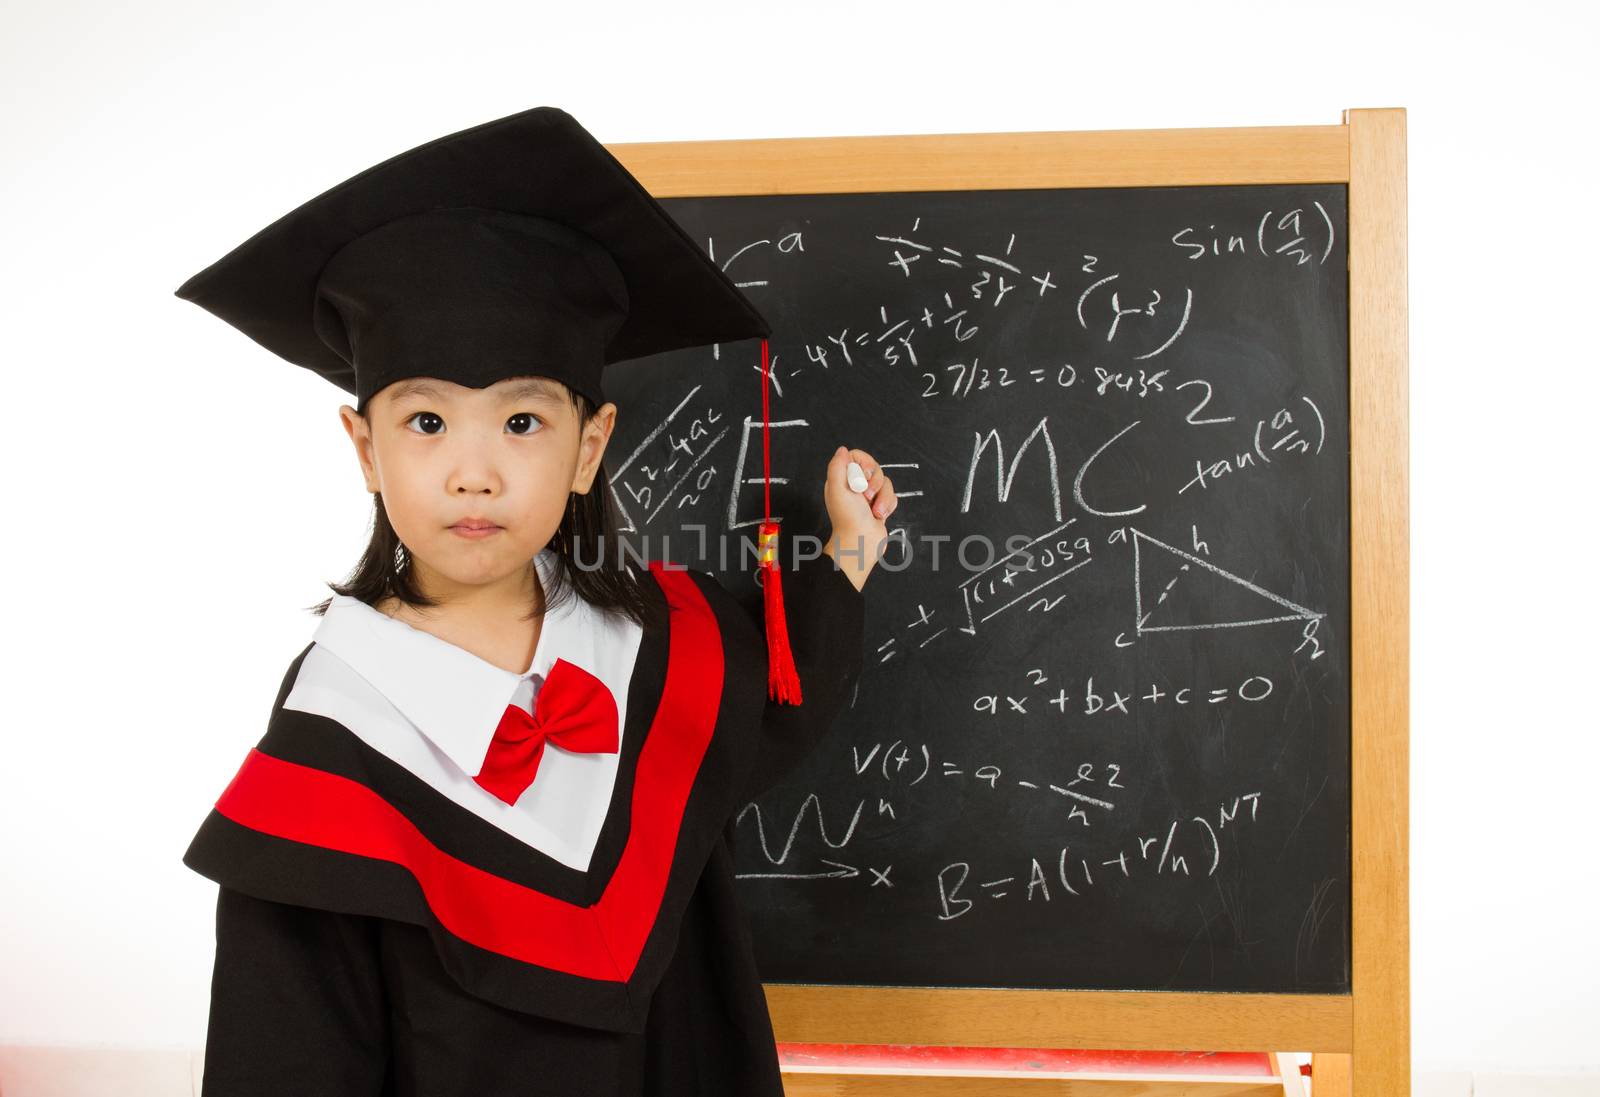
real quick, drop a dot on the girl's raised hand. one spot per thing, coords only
(859, 519)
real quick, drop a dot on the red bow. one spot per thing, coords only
(574, 710)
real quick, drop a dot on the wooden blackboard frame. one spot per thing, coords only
(1363, 1037)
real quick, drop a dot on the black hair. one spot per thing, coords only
(588, 536)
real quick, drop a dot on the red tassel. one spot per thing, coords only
(783, 680)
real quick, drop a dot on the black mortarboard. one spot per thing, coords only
(519, 246)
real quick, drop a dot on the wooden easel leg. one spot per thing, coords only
(1287, 1067)
(1380, 990)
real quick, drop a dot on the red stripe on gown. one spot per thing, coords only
(304, 804)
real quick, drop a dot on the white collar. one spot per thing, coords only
(454, 697)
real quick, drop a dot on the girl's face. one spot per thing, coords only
(443, 454)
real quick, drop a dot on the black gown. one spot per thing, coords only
(375, 937)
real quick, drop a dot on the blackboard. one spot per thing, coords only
(1119, 757)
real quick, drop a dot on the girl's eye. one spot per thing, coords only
(429, 415)
(524, 418)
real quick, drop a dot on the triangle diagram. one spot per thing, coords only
(1175, 590)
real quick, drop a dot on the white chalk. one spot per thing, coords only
(855, 477)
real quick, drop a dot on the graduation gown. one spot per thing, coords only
(387, 924)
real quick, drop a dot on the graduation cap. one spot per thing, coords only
(520, 246)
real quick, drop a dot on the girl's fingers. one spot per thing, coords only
(880, 489)
(883, 498)
(870, 468)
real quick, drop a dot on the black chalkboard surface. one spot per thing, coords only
(1109, 746)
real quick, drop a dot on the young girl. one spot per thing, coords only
(482, 847)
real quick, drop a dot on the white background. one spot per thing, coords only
(176, 495)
